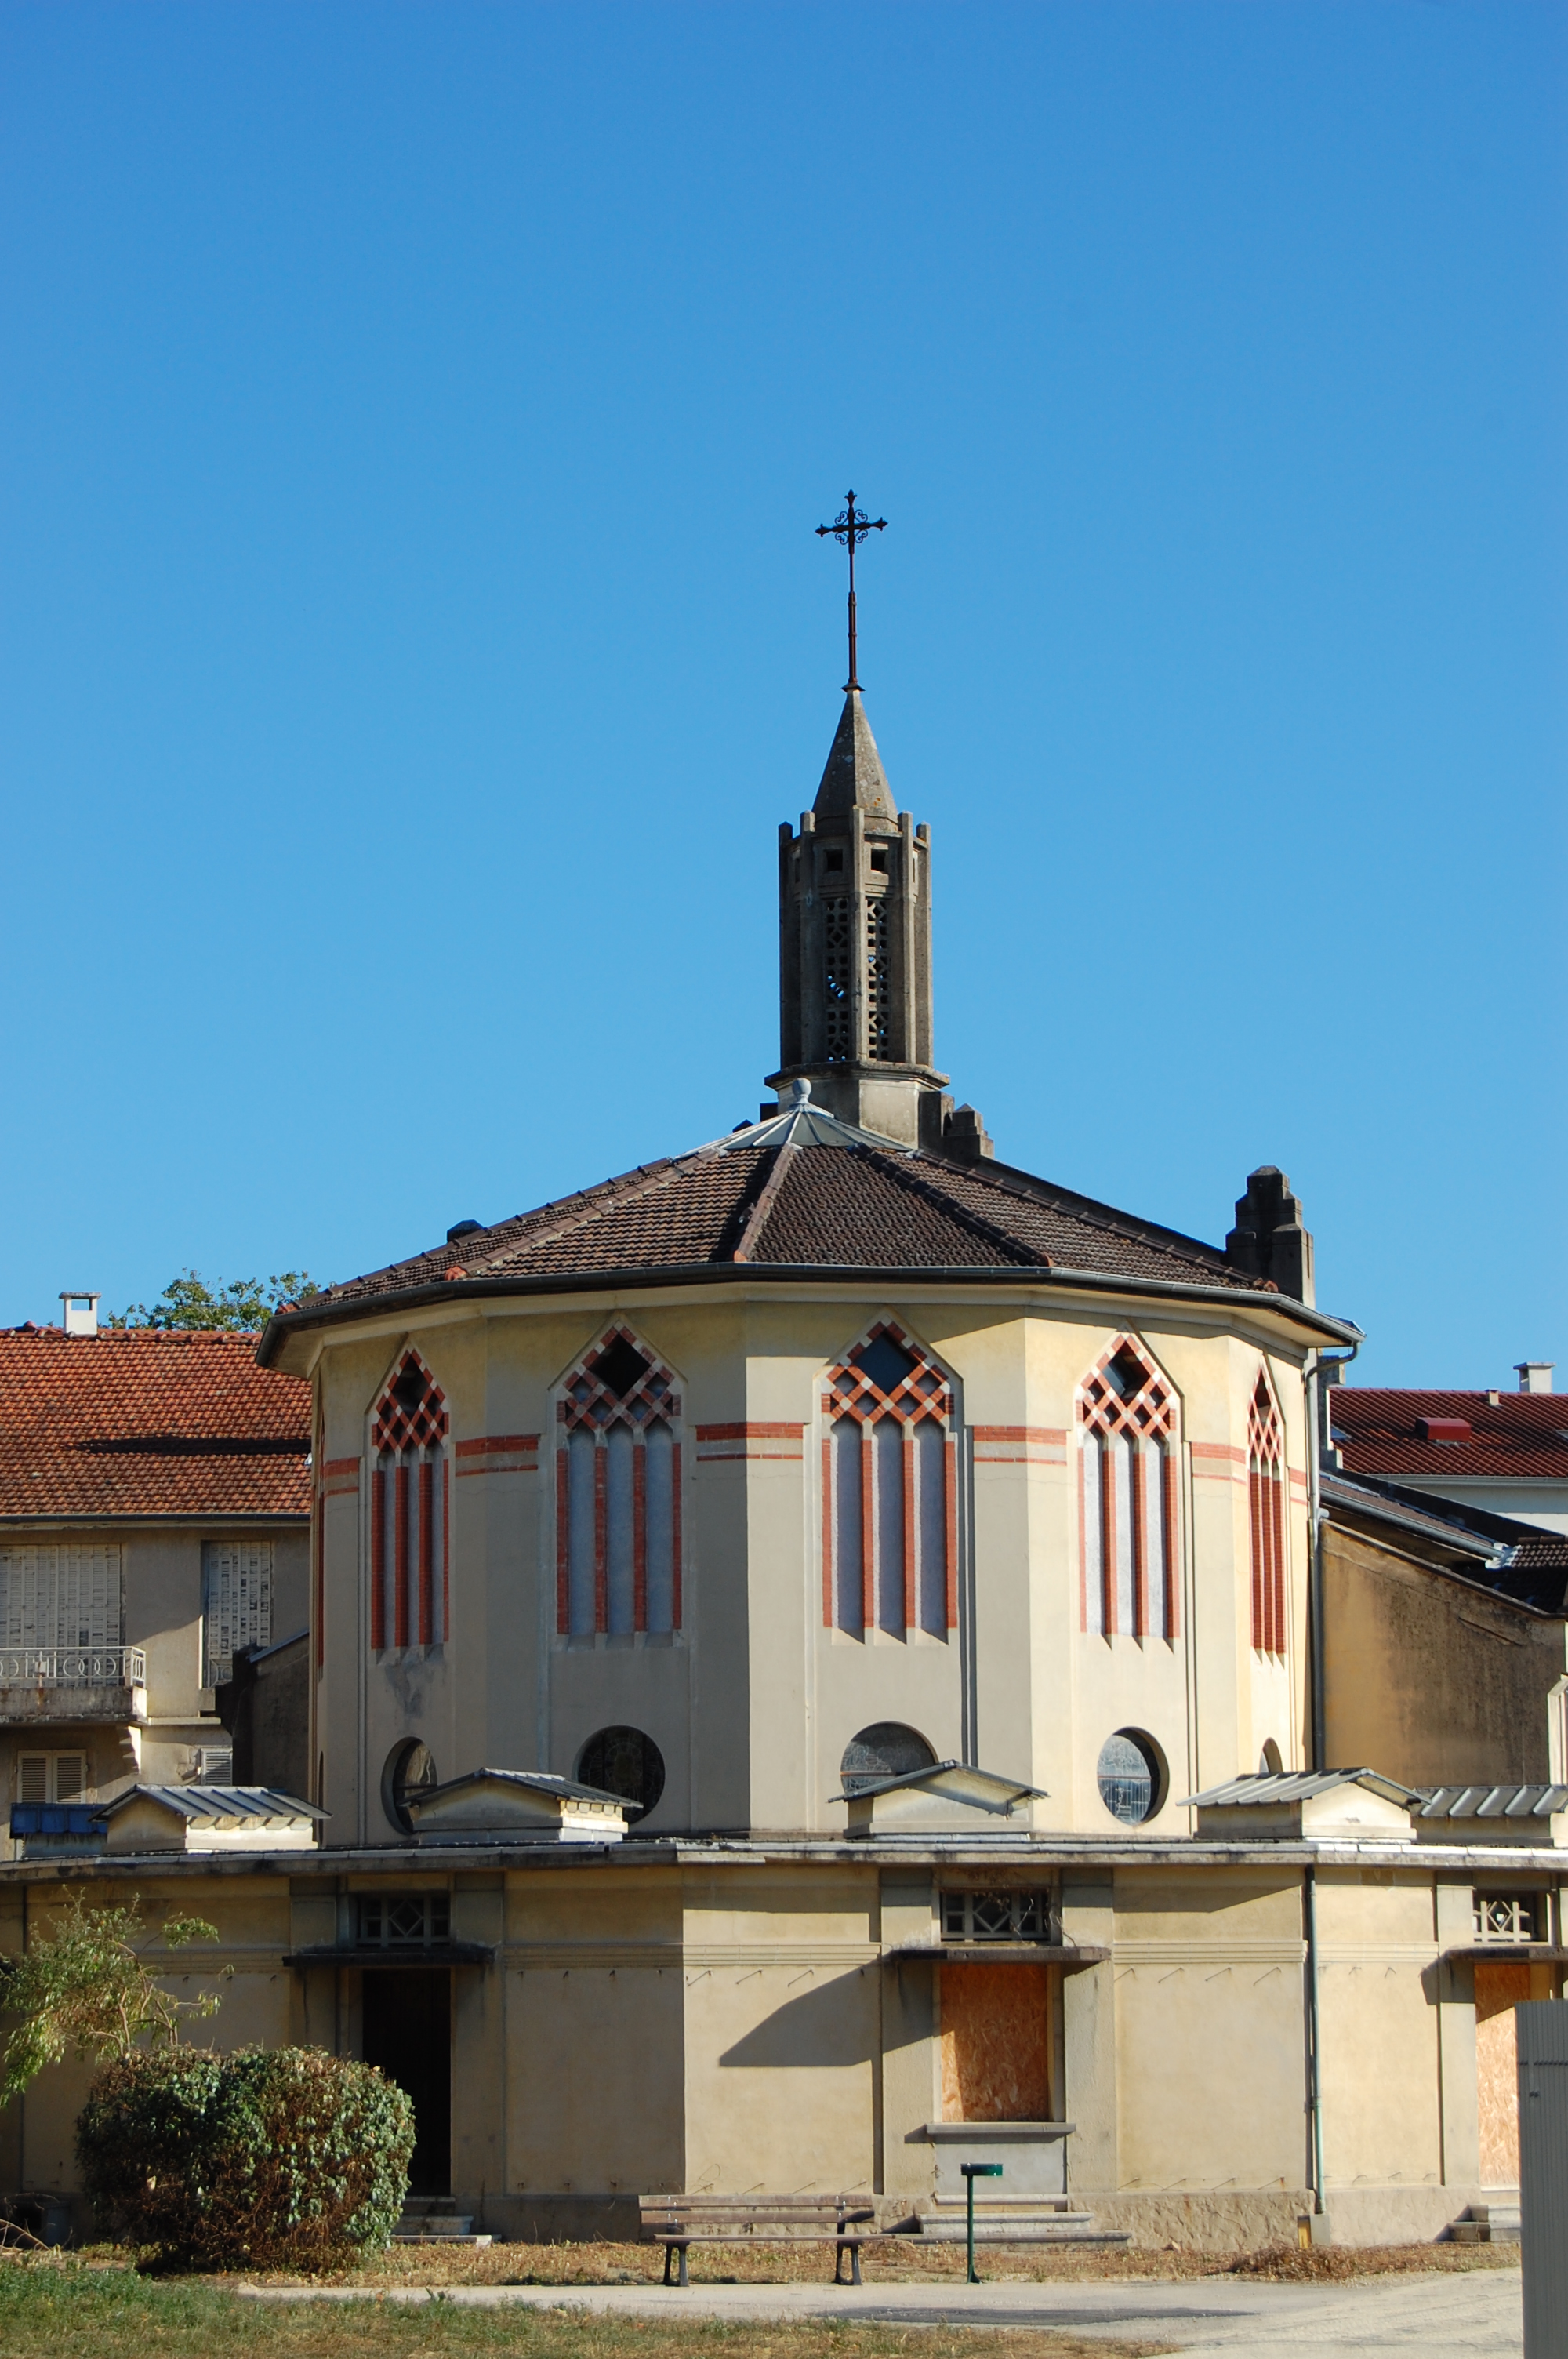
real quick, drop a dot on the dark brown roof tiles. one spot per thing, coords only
(851, 1205)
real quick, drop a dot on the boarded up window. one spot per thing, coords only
(236, 1604)
(1499, 1988)
(996, 2032)
(63, 1596)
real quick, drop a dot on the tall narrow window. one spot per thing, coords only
(1265, 1501)
(889, 1492)
(410, 1584)
(618, 1503)
(236, 1604)
(1128, 1484)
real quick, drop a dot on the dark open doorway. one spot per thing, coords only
(408, 2032)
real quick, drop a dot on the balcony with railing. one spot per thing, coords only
(72, 1684)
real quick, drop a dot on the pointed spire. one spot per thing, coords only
(854, 778)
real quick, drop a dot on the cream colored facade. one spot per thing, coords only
(752, 1701)
(691, 2016)
(743, 1996)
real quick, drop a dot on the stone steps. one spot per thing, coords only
(1486, 2224)
(435, 2220)
(1042, 2220)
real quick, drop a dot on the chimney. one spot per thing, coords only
(1269, 1239)
(964, 1136)
(80, 1312)
(1535, 1376)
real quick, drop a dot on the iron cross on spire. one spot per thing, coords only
(850, 528)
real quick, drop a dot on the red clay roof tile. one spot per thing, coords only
(145, 1421)
(1524, 1438)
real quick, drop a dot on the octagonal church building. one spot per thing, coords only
(811, 1685)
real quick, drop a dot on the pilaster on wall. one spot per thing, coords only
(1457, 2040)
(479, 2036)
(909, 2074)
(1088, 2026)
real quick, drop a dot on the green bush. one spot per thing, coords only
(285, 2157)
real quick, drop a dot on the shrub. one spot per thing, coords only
(84, 1985)
(285, 2158)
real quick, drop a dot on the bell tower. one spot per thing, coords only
(855, 949)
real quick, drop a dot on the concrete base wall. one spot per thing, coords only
(1245, 2222)
(1223, 2221)
(555, 2219)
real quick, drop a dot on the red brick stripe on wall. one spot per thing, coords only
(1218, 1462)
(490, 1443)
(751, 1432)
(563, 1548)
(1042, 1435)
(827, 1533)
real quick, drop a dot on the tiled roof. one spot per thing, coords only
(1523, 1437)
(145, 1421)
(805, 1191)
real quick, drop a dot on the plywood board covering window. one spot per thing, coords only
(1500, 1987)
(996, 2043)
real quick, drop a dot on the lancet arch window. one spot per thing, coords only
(1266, 1505)
(1127, 1474)
(617, 1493)
(410, 1523)
(889, 1489)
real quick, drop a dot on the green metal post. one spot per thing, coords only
(973, 2171)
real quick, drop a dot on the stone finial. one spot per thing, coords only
(1269, 1239)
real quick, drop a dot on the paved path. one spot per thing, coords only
(1418, 2317)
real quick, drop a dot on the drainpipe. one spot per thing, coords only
(1318, 1427)
(1315, 2073)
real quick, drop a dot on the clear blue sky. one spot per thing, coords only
(413, 423)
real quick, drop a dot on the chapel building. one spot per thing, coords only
(812, 1664)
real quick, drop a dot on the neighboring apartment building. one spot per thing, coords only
(1445, 1639)
(1501, 1451)
(155, 1510)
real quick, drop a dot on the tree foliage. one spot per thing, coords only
(239, 1305)
(287, 2157)
(85, 1988)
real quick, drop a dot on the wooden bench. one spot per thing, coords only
(677, 2222)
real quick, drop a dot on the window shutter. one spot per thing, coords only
(236, 1604)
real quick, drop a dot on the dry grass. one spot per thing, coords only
(895, 2261)
(72, 2308)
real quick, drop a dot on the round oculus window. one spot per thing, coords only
(624, 1761)
(1131, 1773)
(886, 1749)
(410, 1770)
